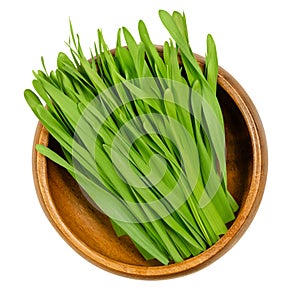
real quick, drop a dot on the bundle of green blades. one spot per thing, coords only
(143, 135)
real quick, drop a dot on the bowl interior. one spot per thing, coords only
(94, 229)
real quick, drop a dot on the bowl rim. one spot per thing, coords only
(234, 233)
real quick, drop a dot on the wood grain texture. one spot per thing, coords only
(90, 233)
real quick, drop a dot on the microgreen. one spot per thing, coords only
(143, 136)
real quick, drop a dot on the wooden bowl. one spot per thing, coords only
(89, 232)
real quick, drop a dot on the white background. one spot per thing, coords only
(258, 43)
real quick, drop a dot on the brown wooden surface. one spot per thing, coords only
(89, 232)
